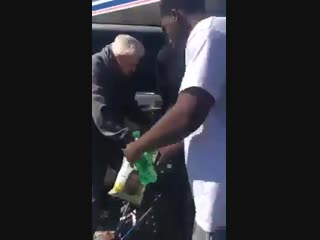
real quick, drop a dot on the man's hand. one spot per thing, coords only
(168, 153)
(165, 157)
(132, 152)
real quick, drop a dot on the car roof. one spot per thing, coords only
(138, 12)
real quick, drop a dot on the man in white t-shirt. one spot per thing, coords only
(199, 115)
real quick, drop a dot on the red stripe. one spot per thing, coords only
(121, 6)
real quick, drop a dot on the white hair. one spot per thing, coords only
(127, 45)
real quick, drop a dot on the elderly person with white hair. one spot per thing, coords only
(112, 100)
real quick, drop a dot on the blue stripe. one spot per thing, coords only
(111, 4)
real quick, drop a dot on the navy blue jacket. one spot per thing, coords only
(113, 96)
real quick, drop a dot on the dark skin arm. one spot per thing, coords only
(170, 152)
(189, 112)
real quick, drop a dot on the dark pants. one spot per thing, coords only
(180, 201)
(104, 153)
(172, 217)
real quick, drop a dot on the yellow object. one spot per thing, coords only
(118, 187)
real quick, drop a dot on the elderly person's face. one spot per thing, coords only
(128, 64)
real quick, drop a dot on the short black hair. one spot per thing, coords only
(188, 6)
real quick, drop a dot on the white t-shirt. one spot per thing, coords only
(205, 149)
